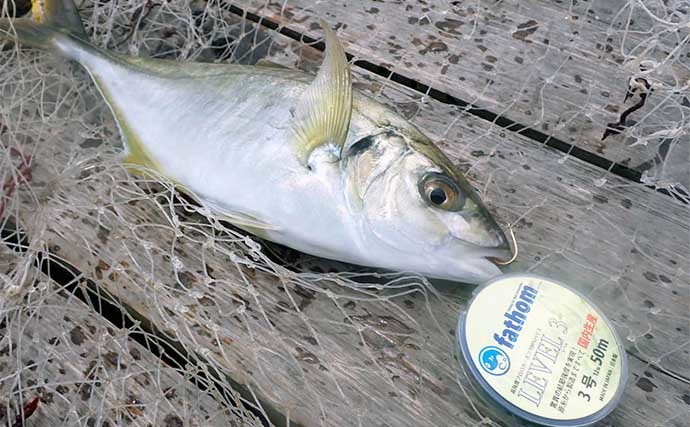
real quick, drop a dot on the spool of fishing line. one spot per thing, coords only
(536, 349)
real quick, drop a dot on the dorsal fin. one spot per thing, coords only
(324, 109)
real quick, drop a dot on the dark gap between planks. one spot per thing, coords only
(678, 377)
(170, 351)
(144, 332)
(484, 114)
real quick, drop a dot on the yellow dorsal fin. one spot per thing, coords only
(324, 109)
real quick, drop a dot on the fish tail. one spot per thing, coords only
(52, 22)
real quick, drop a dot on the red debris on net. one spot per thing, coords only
(29, 409)
(11, 183)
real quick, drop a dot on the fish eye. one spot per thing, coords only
(440, 191)
(438, 196)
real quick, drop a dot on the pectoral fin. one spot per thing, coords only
(244, 221)
(323, 112)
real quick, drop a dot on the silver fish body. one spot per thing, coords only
(381, 194)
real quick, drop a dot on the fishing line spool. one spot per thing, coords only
(537, 351)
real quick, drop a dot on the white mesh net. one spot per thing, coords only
(122, 302)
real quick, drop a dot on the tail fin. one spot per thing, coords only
(50, 18)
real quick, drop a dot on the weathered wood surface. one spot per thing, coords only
(327, 354)
(84, 370)
(561, 68)
(362, 358)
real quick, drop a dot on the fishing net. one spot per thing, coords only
(123, 302)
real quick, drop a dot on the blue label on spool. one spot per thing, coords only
(494, 360)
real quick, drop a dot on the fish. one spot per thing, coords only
(305, 161)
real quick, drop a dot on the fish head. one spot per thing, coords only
(418, 211)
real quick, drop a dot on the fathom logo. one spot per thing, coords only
(516, 316)
(494, 360)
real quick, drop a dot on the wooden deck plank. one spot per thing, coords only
(559, 68)
(325, 354)
(85, 371)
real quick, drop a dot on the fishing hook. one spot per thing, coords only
(513, 248)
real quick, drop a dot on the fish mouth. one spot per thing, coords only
(503, 251)
(498, 246)
(474, 270)
(480, 230)
(476, 264)
(496, 233)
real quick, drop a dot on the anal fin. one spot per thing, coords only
(136, 153)
(137, 156)
(240, 219)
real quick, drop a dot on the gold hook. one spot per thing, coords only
(514, 251)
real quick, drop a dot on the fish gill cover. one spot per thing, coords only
(124, 302)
